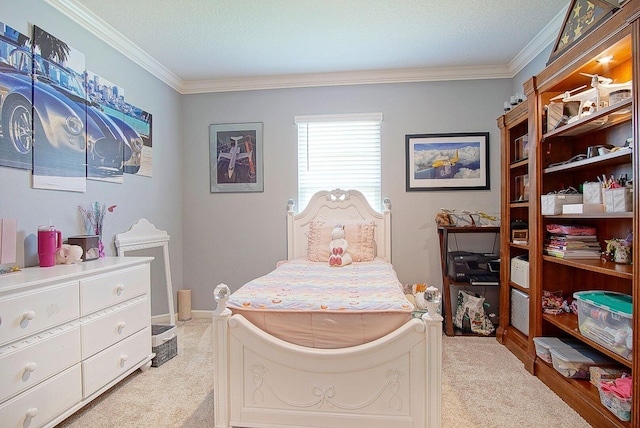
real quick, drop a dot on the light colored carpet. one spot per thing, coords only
(483, 385)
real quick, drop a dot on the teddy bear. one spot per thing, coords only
(338, 255)
(68, 254)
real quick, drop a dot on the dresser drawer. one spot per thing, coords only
(36, 358)
(43, 402)
(29, 313)
(106, 290)
(107, 365)
(104, 328)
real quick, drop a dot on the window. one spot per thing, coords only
(339, 151)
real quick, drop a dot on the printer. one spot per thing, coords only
(462, 265)
(482, 273)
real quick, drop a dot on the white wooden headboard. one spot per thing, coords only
(339, 206)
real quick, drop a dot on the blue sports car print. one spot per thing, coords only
(59, 112)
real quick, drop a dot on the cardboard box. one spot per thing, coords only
(552, 204)
(618, 200)
(597, 374)
(592, 193)
(582, 208)
(520, 271)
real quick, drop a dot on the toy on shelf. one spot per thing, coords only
(10, 269)
(619, 250)
(448, 217)
(603, 93)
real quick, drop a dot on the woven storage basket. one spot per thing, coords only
(166, 344)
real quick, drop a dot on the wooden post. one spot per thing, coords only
(221, 375)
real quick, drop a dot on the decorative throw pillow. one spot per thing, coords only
(316, 252)
(361, 238)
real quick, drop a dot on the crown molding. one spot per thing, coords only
(109, 35)
(539, 43)
(105, 32)
(346, 78)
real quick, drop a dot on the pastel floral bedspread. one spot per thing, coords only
(302, 285)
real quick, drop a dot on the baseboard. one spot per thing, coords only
(165, 319)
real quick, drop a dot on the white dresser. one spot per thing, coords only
(68, 333)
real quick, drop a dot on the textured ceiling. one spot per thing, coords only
(200, 42)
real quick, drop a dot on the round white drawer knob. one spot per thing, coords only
(119, 289)
(31, 367)
(29, 315)
(32, 412)
(124, 357)
(121, 326)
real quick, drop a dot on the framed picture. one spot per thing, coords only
(582, 17)
(448, 161)
(235, 157)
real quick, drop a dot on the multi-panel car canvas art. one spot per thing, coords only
(140, 162)
(130, 129)
(62, 122)
(59, 114)
(16, 139)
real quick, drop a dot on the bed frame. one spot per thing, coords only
(262, 381)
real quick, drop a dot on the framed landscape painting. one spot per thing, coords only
(457, 161)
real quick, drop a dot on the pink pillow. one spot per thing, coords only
(360, 236)
(361, 239)
(316, 252)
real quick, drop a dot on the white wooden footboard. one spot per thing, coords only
(262, 381)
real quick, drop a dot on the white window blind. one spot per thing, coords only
(339, 151)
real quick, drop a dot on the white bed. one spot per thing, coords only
(263, 381)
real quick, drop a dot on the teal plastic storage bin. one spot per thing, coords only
(605, 317)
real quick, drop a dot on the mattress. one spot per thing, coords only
(314, 305)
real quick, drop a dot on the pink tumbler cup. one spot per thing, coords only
(49, 241)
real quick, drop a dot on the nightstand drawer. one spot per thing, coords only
(107, 365)
(31, 313)
(102, 329)
(36, 358)
(110, 289)
(43, 402)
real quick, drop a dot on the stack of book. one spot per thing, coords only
(566, 246)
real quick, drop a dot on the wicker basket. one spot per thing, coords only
(164, 344)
